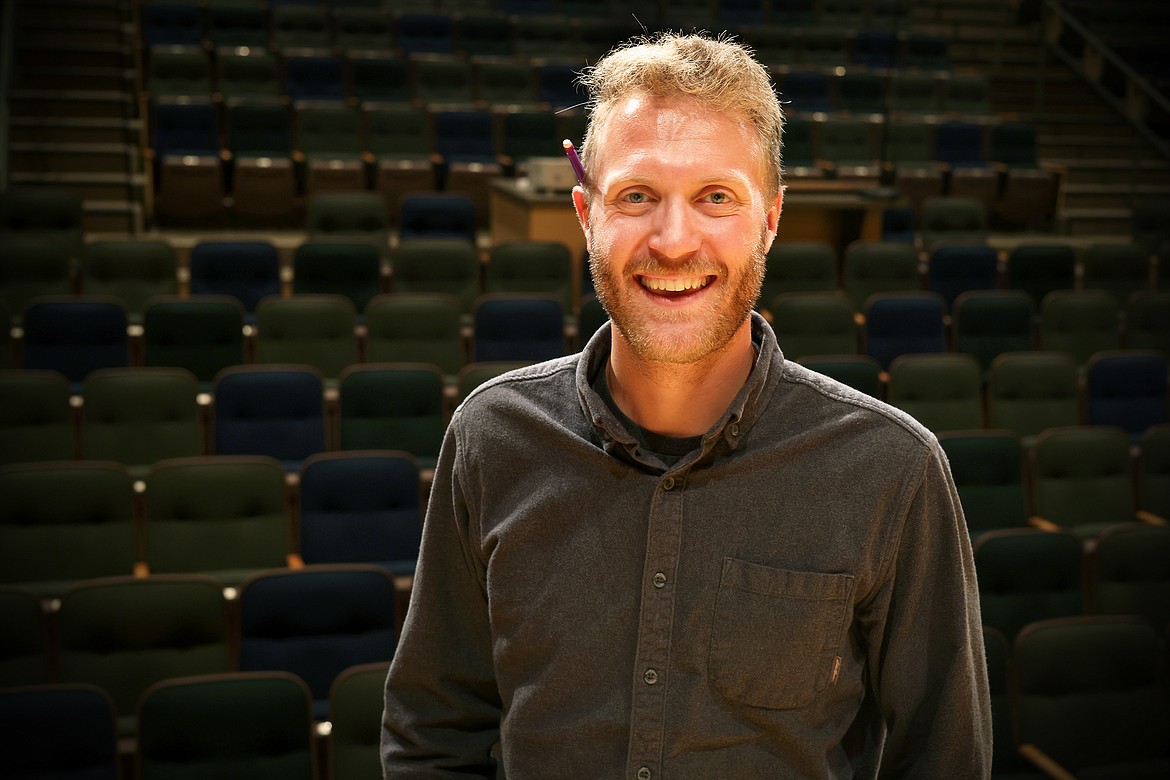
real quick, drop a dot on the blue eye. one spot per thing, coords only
(719, 198)
(636, 197)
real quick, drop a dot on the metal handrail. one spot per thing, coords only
(7, 37)
(1140, 94)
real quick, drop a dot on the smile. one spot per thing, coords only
(679, 285)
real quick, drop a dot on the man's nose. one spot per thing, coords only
(676, 231)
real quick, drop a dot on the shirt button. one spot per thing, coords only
(668, 483)
(650, 676)
(659, 580)
(644, 773)
(735, 429)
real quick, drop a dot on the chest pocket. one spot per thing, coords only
(777, 636)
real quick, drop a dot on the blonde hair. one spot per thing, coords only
(718, 73)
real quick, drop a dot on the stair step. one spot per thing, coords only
(75, 131)
(72, 158)
(1154, 172)
(1097, 148)
(102, 57)
(1080, 222)
(62, 36)
(77, 12)
(56, 103)
(112, 216)
(90, 186)
(75, 79)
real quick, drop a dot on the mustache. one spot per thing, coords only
(696, 266)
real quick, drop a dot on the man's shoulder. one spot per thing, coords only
(537, 383)
(842, 401)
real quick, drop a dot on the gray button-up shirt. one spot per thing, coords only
(795, 598)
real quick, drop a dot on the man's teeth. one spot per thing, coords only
(676, 285)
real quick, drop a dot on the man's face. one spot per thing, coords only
(678, 226)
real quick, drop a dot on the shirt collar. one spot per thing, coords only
(731, 428)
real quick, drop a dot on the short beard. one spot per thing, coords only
(681, 345)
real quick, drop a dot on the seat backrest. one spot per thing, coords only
(1028, 392)
(437, 265)
(226, 516)
(441, 79)
(24, 646)
(379, 76)
(988, 470)
(903, 323)
(317, 330)
(804, 266)
(953, 218)
(184, 125)
(317, 621)
(1147, 321)
(124, 634)
(1083, 477)
(942, 391)
(64, 521)
(531, 267)
(398, 131)
(361, 507)
(878, 267)
(245, 73)
(35, 212)
(130, 270)
(1154, 471)
(1089, 692)
(953, 269)
(259, 129)
(33, 266)
(518, 327)
(313, 75)
(75, 336)
(274, 410)
(959, 143)
(415, 328)
(1079, 323)
(1118, 269)
(1038, 269)
(254, 724)
(246, 270)
(988, 323)
(328, 128)
(33, 719)
(203, 334)
(814, 323)
(356, 215)
(393, 406)
(35, 419)
(356, 702)
(137, 416)
(1129, 572)
(1129, 389)
(1026, 575)
(338, 268)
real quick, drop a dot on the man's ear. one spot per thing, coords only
(581, 204)
(772, 223)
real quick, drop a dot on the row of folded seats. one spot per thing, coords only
(267, 155)
(227, 600)
(583, 32)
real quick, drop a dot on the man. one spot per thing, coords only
(677, 554)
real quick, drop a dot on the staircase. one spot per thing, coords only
(1108, 164)
(73, 108)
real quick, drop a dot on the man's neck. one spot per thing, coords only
(679, 399)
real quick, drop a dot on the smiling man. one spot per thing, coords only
(677, 554)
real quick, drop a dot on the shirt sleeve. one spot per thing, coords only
(442, 711)
(926, 658)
